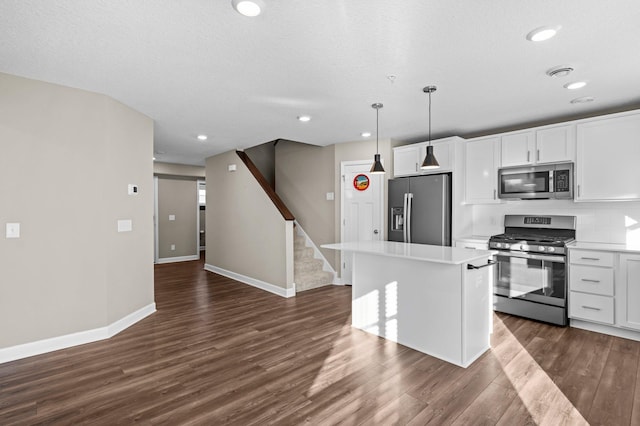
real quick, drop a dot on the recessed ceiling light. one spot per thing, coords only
(365, 134)
(582, 100)
(561, 71)
(202, 137)
(543, 33)
(249, 8)
(575, 85)
(304, 118)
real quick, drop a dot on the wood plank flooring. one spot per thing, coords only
(221, 352)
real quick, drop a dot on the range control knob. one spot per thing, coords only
(524, 247)
(541, 248)
(498, 245)
(551, 249)
(505, 245)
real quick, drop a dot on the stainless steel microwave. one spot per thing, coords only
(543, 181)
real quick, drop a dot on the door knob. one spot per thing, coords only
(375, 231)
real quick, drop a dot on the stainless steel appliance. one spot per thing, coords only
(420, 209)
(531, 278)
(536, 182)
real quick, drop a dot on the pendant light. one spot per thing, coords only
(430, 161)
(377, 168)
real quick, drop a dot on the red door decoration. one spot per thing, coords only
(361, 182)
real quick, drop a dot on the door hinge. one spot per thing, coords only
(343, 178)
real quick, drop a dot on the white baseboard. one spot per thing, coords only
(262, 285)
(25, 350)
(178, 259)
(605, 329)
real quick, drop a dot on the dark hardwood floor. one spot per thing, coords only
(220, 352)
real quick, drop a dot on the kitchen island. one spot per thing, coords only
(434, 299)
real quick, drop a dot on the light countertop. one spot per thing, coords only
(424, 252)
(481, 239)
(622, 248)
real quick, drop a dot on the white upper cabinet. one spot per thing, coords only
(556, 143)
(548, 144)
(481, 178)
(608, 151)
(407, 159)
(516, 148)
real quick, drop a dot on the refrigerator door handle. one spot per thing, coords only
(404, 217)
(408, 222)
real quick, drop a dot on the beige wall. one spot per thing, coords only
(264, 157)
(177, 197)
(246, 234)
(172, 169)
(67, 158)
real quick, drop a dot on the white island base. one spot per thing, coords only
(423, 297)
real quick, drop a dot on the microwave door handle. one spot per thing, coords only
(551, 184)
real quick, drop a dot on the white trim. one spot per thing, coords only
(605, 329)
(178, 259)
(156, 227)
(262, 285)
(198, 183)
(25, 350)
(339, 281)
(126, 322)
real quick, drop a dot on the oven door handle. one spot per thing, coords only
(489, 263)
(556, 259)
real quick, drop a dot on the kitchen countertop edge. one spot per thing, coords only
(421, 252)
(620, 248)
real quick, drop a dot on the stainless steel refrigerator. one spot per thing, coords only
(420, 209)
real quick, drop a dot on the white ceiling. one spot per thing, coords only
(197, 66)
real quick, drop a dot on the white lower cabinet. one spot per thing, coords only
(628, 291)
(591, 307)
(591, 286)
(604, 288)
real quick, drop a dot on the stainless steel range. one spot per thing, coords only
(531, 277)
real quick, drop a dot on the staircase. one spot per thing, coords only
(308, 271)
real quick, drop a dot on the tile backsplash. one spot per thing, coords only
(607, 222)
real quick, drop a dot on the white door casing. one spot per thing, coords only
(361, 211)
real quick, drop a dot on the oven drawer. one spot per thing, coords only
(590, 279)
(591, 307)
(588, 257)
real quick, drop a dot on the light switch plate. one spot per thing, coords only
(125, 225)
(172, 217)
(330, 196)
(132, 189)
(13, 230)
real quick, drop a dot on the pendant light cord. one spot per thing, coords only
(377, 114)
(429, 118)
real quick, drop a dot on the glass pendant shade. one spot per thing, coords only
(430, 161)
(376, 168)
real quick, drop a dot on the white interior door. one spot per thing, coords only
(361, 211)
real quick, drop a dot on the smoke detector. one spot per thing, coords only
(561, 71)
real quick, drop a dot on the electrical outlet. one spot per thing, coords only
(173, 247)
